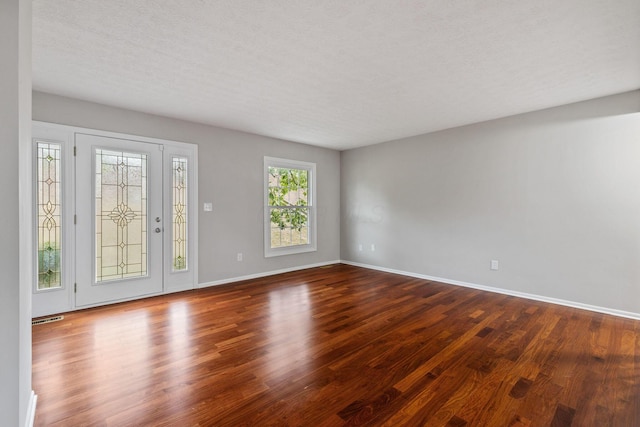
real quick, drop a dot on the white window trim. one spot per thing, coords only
(297, 249)
(59, 299)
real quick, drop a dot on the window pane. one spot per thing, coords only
(289, 227)
(288, 187)
(179, 213)
(49, 215)
(121, 217)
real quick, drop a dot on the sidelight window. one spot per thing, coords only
(49, 214)
(179, 191)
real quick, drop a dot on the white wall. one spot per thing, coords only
(230, 176)
(553, 195)
(15, 301)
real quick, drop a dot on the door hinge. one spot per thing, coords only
(75, 219)
(74, 150)
(75, 288)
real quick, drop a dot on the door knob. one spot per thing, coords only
(157, 219)
(157, 230)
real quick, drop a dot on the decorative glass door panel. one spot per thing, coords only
(121, 215)
(119, 225)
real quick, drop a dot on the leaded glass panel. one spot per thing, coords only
(49, 233)
(179, 213)
(121, 215)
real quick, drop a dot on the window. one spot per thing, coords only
(179, 215)
(49, 214)
(289, 214)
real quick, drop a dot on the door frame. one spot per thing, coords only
(90, 291)
(64, 298)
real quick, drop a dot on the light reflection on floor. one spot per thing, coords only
(121, 346)
(290, 322)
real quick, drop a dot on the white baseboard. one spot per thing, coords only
(541, 298)
(31, 409)
(265, 274)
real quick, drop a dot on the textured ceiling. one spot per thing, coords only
(336, 73)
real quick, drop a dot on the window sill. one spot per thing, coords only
(289, 250)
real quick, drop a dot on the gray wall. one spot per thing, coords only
(230, 176)
(15, 301)
(553, 195)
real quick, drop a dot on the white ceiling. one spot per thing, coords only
(336, 73)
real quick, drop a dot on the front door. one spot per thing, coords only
(119, 219)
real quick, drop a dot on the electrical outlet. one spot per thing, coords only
(495, 264)
(207, 207)
(239, 257)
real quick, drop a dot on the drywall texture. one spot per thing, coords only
(554, 196)
(230, 171)
(15, 302)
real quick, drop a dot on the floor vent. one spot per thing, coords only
(47, 320)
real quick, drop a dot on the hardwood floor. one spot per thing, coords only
(337, 346)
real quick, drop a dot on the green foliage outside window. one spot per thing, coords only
(48, 266)
(289, 189)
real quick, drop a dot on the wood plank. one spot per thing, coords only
(336, 346)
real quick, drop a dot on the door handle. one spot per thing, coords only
(158, 230)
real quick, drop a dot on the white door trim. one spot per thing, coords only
(175, 281)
